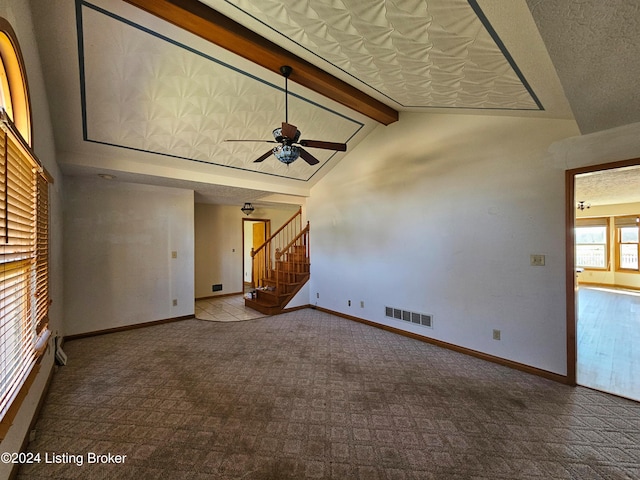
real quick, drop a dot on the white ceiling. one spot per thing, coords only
(609, 187)
(595, 47)
(407, 53)
(141, 99)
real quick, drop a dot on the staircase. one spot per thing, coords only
(280, 267)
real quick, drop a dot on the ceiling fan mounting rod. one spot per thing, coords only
(286, 71)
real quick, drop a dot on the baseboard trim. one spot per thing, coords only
(456, 348)
(293, 309)
(124, 328)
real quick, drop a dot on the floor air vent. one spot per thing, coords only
(423, 319)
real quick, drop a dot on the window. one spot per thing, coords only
(24, 234)
(14, 93)
(628, 244)
(24, 260)
(591, 243)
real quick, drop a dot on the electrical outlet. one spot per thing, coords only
(496, 334)
(317, 294)
(361, 303)
(174, 254)
(175, 302)
(349, 302)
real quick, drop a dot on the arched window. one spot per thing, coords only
(24, 236)
(14, 91)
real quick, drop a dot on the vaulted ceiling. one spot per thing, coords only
(140, 90)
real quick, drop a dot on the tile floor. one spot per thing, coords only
(225, 309)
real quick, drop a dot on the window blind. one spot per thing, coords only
(627, 221)
(24, 259)
(591, 222)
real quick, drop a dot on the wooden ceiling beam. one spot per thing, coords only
(201, 20)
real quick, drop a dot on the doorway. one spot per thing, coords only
(254, 233)
(603, 282)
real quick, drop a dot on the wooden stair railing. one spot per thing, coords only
(280, 266)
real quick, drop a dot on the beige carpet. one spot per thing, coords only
(309, 395)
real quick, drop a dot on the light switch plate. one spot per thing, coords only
(537, 260)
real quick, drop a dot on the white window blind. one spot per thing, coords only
(24, 261)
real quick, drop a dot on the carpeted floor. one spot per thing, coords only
(309, 395)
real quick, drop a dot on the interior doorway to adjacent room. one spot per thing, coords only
(254, 232)
(603, 277)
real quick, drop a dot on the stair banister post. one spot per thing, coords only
(306, 242)
(278, 254)
(253, 268)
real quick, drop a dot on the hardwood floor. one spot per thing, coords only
(609, 340)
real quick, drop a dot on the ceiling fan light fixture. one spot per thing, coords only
(286, 153)
(288, 136)
(247, 209)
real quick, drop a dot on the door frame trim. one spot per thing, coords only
(570, 217)
(267, 234)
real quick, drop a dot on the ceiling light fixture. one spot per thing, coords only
(247, 209)
(582, 205)
(287, 154)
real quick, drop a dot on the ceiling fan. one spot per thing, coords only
(287, 137)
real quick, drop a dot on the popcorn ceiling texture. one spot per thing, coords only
(594, 46)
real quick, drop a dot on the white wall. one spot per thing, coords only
(19, 16)
(119, 239)
(439, 214)
(219, 249)
(616, 144)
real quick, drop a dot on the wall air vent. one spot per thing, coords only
(422, 319)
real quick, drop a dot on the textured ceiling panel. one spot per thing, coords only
(416, 53)
(137, 97)
(146, 92)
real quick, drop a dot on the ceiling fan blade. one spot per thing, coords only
(339, 147)
(289, 130)
(307, 157)
(265, 141)
(263, 157)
